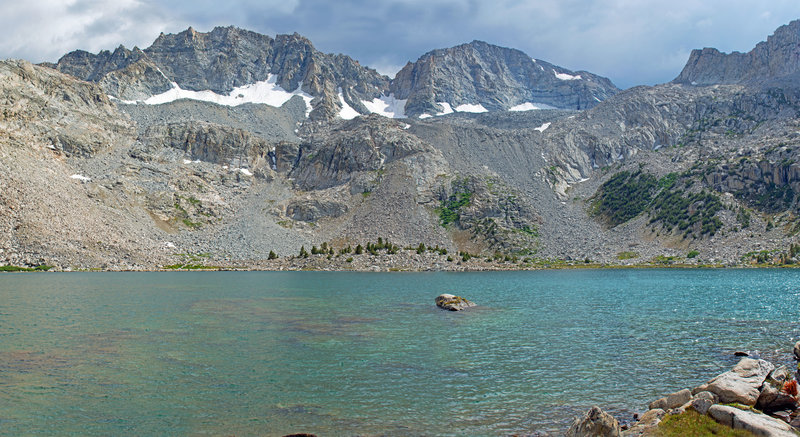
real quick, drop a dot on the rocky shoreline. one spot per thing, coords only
(409, 259)
(754, 396)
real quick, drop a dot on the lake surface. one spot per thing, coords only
(269, 353)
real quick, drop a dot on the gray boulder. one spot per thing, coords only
(595, 423)
(741, 384)
(796, 351)
(453, 303)
(702, 405)
(673, 400)
(758, 424)
(703, 400)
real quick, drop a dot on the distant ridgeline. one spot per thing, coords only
(231, 66)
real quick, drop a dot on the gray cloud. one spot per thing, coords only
(631, 41)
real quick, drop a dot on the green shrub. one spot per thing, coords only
(692, 254)
(624, 196)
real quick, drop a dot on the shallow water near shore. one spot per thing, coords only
(269, 353)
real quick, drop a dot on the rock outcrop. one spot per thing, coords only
(480, 76)
(452, 302)
(595, 423)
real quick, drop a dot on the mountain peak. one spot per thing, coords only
(478, 77)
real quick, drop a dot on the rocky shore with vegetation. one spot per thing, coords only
(754, 398)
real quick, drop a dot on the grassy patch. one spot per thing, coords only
(41, 268)
(190, 267)
(627, 255)
(692, 423)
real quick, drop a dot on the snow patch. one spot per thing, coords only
(597, 98)
(447, 108)
(424, 116)
(543, 127)
(531, 106)
(347, 112)
(81, 177)
(471, 108)
(387, 106)
(406, 126)
(246, 172)
(565, 76)
(169, 245)
(266, 92)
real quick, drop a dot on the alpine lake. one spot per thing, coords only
(342, 353)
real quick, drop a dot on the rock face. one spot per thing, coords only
(778, 56)
(595, 423)
(758, 424)
(496, 78)
(213, 143)
(741, 384)
(453, 303)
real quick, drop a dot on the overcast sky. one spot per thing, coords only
(632, 42)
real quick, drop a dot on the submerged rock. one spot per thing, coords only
(595, 422)
(741, 384)
(453, 303)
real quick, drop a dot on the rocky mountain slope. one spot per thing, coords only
(675, 173)
(478, 77)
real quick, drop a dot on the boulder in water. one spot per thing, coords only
(453, 303)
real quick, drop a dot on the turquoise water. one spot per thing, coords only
(268, 353)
